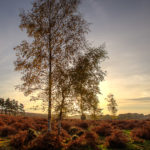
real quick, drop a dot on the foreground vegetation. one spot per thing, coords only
(28, 133)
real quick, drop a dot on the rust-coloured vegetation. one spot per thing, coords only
(28, 133)
(116, 140)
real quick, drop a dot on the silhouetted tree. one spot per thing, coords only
(21, 109)
(86, 76)
(112, 105)
(7, 106)
(96, 111)
(63, 100)
(11, 107)
(14, 106)
(58, 33)
(2, 103)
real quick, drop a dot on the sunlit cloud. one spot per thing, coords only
(141, 99)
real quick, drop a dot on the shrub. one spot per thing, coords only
(103, 130)
(82, 124)
(137, 139)
(116, 140)
(64, 133)
(18, 140)
(7, 131)
(143, 132)
(81, 132)
(75, 130)
(74, 137)
(66, 125)
(127, 124)
(84, 142)
(77, 143)
(11, 120)
(23, 138)
(40, 127)
(130, 124)
(118, 124)
(46, 141)
(40, 120)
(27, 125)
(91, 138)
(1, 123)
(18, 126)
(31, 134)
(40, 123)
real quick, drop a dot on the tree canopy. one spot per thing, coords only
(8, 106)
(112, 105)
(86, 76)
(58, 32)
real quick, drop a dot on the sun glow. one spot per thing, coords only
(105, 90)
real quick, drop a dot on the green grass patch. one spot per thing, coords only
(127, 132)
(4, 144)
(143, 146)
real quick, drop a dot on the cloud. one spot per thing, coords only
(140, 99)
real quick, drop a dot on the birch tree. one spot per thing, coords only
(57, 35)
(112, 105)
(85, 79)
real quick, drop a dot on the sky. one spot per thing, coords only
(122, 25)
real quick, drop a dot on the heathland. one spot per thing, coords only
(30, 133)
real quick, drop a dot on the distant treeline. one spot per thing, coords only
(127, 116)
(11, 107)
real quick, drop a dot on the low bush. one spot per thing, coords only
(46, 141)
(40, 123)
(7, 131)
(75, 130)
(91, 138)
(66, 125)
(130, 124)
(18, 141)
(27, 125)
(18, 125)
(77, 143)
(64, 133)
(82, 124)
(1, 123)
(103, 129)
(84, 142)
(143, 132)
(40, 127)
(11, 120)
(116, 140)
(137, 139)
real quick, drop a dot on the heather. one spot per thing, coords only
(30, 133)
